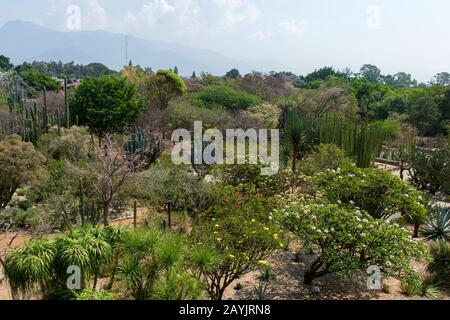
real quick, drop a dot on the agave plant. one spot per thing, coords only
(437, 225)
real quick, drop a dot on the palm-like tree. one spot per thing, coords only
(43, 264)
(30, 267)
(299, 133)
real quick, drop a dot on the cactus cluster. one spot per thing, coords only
(362, 143)
(146, 146)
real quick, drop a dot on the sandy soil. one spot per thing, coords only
(287, 283)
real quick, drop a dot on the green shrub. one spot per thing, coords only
(177, 286)
(325, 156)
(38, 80)
(90, 295)
(223, 96)
(413, 284)
(20, 164)
(376, 191)
(347, 240)
(72, 145)
(17, 218)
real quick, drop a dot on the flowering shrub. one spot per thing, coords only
(250, 175)
(232, 201)
(226, 249)
(430, 170)
(348, 240)
(378, 192)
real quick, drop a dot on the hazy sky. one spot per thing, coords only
(300, 35)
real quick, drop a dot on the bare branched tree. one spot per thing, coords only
(109, 170)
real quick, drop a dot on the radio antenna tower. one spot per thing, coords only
(126, 50)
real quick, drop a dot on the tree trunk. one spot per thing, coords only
(416, 230)
(294, 158)
(94, 287)
(314, 272)
(308, 278)
(169, 212)
(106, 214)
(135, 215)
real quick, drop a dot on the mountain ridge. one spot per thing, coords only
(26, 42)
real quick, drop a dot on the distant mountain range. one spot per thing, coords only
(27, 42)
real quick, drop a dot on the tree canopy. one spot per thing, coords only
(107, 104)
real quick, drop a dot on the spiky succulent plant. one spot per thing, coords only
(437, 225)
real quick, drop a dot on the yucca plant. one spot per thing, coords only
(43, 264)
(437, 226)
(30, 267)
(299, 133)
(440, 264)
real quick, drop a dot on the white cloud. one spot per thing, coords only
(152, 11)
(236, 12)
(189, 19)
(284, 30)
(96, 17)
(293, 27)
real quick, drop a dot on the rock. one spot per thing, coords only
(314, 290)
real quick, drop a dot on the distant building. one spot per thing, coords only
(71, 84)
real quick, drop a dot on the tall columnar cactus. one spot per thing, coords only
(82, 211)
(45, 111)
(66, 105)
(362, 143)
(146, 146)
(58, 122)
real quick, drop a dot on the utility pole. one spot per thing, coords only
(126, 50)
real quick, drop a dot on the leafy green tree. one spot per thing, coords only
(424, 114)
(233, 74)
(5, 65)
(442, 79)
(164, 86)
(38, 80)
(322, 74)
(403, 80)
(20, 164)
(371, 73)
(106, 104)
(347, 240)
